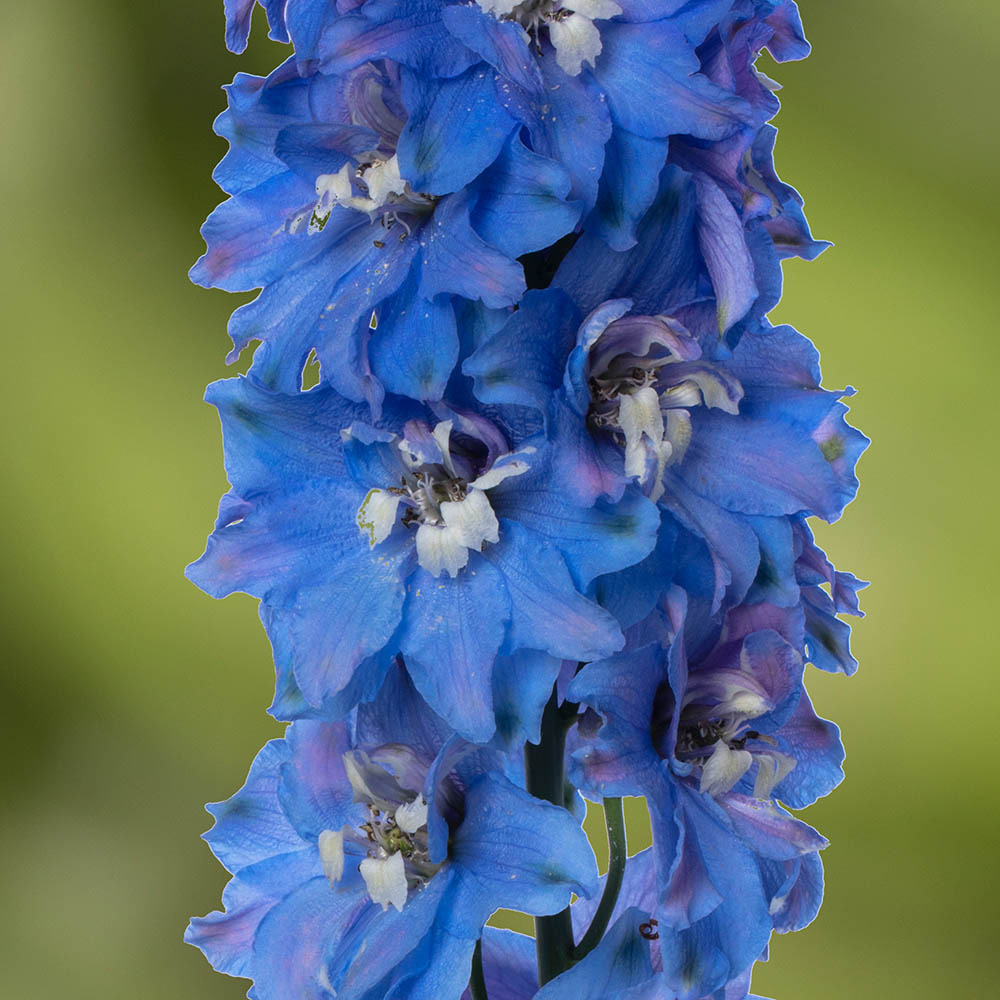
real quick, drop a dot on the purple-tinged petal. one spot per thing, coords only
(314, 791)
(722, 242)
(640, 60)
(414, 37)
(815, 745)
(227, 938)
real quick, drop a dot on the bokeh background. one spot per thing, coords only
(131, 698)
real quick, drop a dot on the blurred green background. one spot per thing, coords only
(132, 698)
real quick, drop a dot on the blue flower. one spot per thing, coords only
(439, 542)
(358, 257)
(365, 866)
(714, 743)
(729, 442)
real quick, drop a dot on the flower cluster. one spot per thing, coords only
(539, 531)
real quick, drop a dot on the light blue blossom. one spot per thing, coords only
(432, 538)
(364, 867)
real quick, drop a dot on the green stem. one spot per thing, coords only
(477, 982)
(546, 779)
(614, 817)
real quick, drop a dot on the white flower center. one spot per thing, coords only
(570, 24)
(453, 515)
(643, 398)
(383, 193)
(393, 840)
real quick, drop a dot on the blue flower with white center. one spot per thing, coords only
(365, 866)
(715, 743)
(599, 85)
(436, 540)
(360, 259)
(728, 442)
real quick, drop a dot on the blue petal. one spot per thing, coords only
(290, 703)
(399, 709)
(304, 21)
(314, 791)
(456, 128)
(354, 968)
(508, 965)
(523, 361)
(273, 440)
(292, 940)
(521, 204)
(415, 344)
(459, 261)
(452, 629)
(513, 850)
(548, 612)
(642, 60)
(796, 900)
(411, 34)
(571, 124)
(621, 759)
(618, 963)
(631, 594)
(522, 684)
(594, 540)
(320, 148)
(503, 44)
(227, 938)
(246, 245)
(658, 274)
(722, 242)
(703, 957)
(238, 14)
(251, 826)
(259, 108)
(350, 617)
(819, 755)
(629, 183)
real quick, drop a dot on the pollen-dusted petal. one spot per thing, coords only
(331, 854)
(440, 548)
(472, 519)
(639, 416)
(576, 40)
(723, 769)
(377, 515)
(385, 879)
(411, 816)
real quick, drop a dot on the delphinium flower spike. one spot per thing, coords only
(539, 533)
